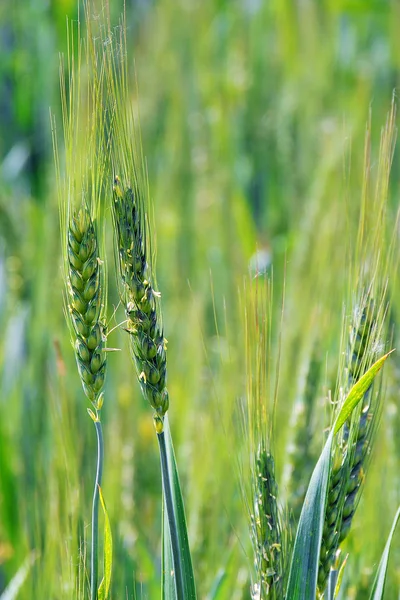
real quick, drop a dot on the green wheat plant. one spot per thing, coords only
(367, 336)
(341, 470)
(110, 142)
(269, 531)
(334, 491)
(136, 281)
(268, 527)
(81, 189)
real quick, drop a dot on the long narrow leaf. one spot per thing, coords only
(302, 583)
(14, 587)
(379, 583)
(172, 478)
(303, 574)
(168, 579)
(104, 588)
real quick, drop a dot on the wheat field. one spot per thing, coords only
(199, 242)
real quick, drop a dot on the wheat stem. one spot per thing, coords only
(95, 512)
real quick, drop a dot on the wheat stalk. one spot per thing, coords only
(82, 229)
(267, 534)
(131, 209)
(370, 272)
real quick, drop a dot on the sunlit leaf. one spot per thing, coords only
(104, 587)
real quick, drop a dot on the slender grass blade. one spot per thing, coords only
(379, 583)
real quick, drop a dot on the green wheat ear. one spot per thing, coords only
(267, 523)
(86, 302)
(300, 453)
(81, 191)
(139, 298)
(266, 528)
(351, 456)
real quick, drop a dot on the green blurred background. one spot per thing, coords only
(249, 112)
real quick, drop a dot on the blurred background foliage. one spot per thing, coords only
(253, 118)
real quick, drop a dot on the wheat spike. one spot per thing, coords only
(301, 459)
(141, 302)
(350, 459)
(266, 528)
(85, 302)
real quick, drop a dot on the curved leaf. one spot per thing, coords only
(104, 588)
(302, 584)
(340, 576)
(357, 392)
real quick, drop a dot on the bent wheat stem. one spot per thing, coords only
(94, 567)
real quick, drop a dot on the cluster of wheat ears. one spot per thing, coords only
(296, 537)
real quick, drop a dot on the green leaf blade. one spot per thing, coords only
(171, 478)
(380, 578)
(302, 583)
(167, 579)
(357, 392)
(104, 588)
